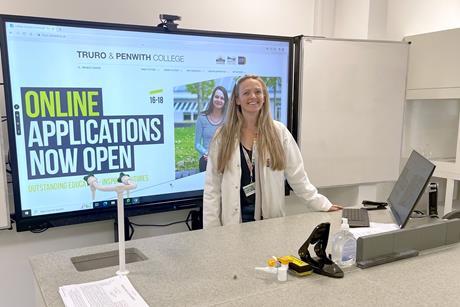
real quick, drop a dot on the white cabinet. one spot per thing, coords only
(434, 65)
(433, 103)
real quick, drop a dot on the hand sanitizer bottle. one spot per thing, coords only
(344, 246)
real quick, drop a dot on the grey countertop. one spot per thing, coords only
(216, 267)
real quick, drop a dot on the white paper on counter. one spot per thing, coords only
(115, 291)
(373, 228)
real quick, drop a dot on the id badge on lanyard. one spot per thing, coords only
(250, 189)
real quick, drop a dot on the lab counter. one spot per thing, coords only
(216, 267)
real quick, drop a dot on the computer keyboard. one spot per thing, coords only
(356, 217)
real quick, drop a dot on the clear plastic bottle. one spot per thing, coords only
(283, 269)
(344, 246)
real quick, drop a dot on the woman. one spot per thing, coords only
(249, 158)
(208, 122)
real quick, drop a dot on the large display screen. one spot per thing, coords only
(92, 98)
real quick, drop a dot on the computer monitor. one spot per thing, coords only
(409, 188)
(94, 98)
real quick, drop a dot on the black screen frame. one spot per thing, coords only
(165, 202)
(401, 218)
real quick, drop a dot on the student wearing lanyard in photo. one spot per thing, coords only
(249, 158)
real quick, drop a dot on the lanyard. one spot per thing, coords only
(250, 162)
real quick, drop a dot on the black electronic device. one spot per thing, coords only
(405, 193)
(374, 205)
(409, 187)
(357, 217)
(167, 22)
(86, 97)
(322, 264)
(433, 199)
(169, 17)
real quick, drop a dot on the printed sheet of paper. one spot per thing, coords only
(374, 228)
(115, 291)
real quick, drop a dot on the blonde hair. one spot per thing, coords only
(268, 141)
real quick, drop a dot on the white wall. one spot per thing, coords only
(324, 21)
(410, 17)
(386, 19)
(274, 17)
(377, 19)
(289, 17)
(343, 18)
(351, 19)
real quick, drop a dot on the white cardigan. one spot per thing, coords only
(221, 199)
